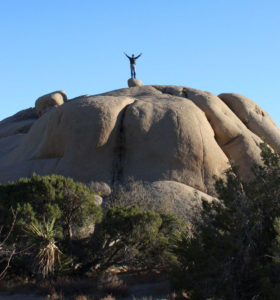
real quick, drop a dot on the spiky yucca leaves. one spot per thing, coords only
(48, 254)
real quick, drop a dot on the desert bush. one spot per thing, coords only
(134, 237)
(6, 251)
(235, 252)
(146, 196)
(102, 188)
(48, 207)
(112, 284)
(133, 193)
(108, 297)
(46, 197)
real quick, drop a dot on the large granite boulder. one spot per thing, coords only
(148, 133)
(167, 196)
(44, 103)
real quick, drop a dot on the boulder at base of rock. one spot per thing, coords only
(162, 196)
(134, 82)
(44, 103)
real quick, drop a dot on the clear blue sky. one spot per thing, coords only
(77, 46)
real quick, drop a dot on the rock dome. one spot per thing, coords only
(149, 133)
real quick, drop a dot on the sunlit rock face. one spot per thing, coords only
(148, 133)
(132, 82)
(45, 102)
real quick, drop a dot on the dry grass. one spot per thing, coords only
(143, 285)
(109, 297)
(112, 284)
(70, 287)
(61, 288)
(147, 196)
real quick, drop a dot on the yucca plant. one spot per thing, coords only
(48, 254)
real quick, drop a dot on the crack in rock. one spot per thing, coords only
(119, 150)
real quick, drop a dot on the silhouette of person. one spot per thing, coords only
(132, 60)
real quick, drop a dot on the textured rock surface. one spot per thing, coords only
(134, 82)
(149, 133)
(170, 196)
(254, 118)
(237, 142)
(44, 103)
(18, 123)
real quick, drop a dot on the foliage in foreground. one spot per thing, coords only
(137, 238)
(233, 255)
(48, 254)
(235, 252)
(7, 251)
(48, 208)
(42, 198)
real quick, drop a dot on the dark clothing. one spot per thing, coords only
(132, 65)
(133, 59)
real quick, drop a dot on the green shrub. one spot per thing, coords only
(235, 252)
(133, 237)
(41, 198)
(47, 207)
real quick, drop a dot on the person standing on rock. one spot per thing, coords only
(132, 60)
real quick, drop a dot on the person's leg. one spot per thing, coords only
(134, 71)
(131, 71)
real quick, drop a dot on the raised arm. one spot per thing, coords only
(126, 55)
(138, 55)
